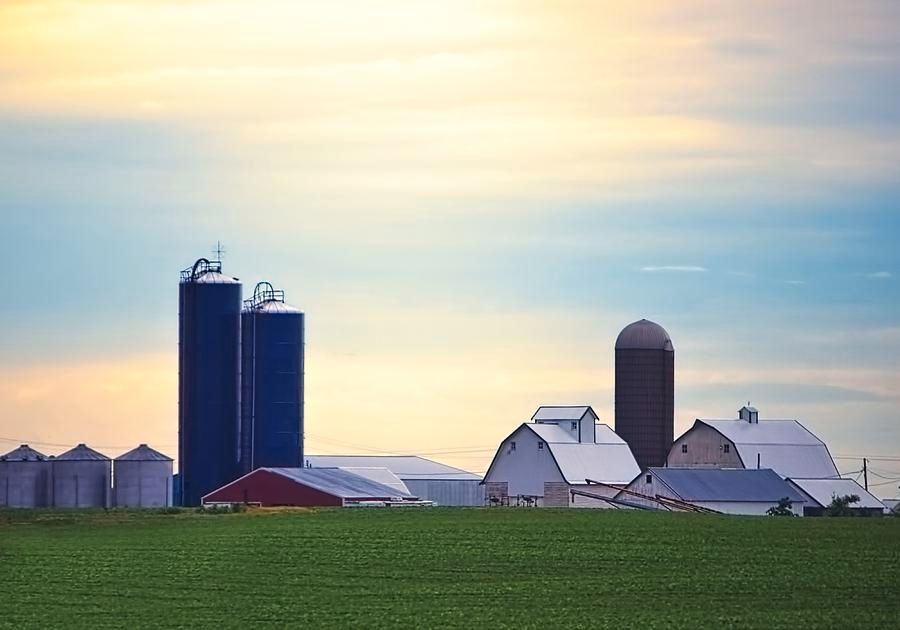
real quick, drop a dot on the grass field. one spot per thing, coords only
(445, 567)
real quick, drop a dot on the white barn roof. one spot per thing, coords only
(822, 491)
(608, 460)
(406, 467)
(785, 446)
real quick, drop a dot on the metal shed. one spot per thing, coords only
(24, 478)
(81, 478)
(427, 479)
(142, 478)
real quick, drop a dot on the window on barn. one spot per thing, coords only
(727, 448)
(684, 448)
(540, 446)
(512, 446)
(649, 478)
(574, 426)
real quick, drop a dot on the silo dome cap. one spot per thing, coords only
(644, 335)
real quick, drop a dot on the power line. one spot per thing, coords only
(69, 445)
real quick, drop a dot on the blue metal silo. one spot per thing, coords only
(272, 337)
(208, 379)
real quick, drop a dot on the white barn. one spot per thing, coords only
(424, 478)
(562, 449)
(726, 490)
(785, 446)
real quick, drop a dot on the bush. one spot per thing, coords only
(782, 509)
(840, 506)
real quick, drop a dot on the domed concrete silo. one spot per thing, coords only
(209, 332)
(272, 338)
(645, 391)
(81, 478)
(24, 478)
(142, 478)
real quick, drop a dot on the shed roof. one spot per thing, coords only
(338, 482)
(727, 484)
(82, 452)
(822, 491)
(379, 475)
(550, 413)
(23, 453)
(404, 466)
(143, 453)
(785, 446)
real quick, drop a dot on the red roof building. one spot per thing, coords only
(303, 487)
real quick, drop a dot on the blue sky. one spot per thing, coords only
(468, 202)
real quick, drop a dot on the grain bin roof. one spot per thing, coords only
(406, 467)
(644, 335)
(785, 446)
(23, 453)
(726, 484)
(143, 453)
(822, 491)
(82, 453)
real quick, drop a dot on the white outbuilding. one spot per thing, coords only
(821, 492)
(785, 446)
(562, 449)
(725, 490)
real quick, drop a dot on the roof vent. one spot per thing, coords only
(749, 414)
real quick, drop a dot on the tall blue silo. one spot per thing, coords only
(272, 339)
(208, 379)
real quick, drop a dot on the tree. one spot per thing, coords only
(782, 509)
(840, 506)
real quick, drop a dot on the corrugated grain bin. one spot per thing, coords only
(24, 478)
(81, 478)
(142, 479)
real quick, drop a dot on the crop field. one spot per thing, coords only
(445, 567)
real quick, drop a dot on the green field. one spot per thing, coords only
(445, 567)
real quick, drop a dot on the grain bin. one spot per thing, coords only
(81, 478)
(24, 478)
(209, 323)
(272, 338)
(142, 478)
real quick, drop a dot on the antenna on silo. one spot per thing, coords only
(219, 251)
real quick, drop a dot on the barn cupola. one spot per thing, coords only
(579, 422)
(749, 414)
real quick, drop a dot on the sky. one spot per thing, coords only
(469, 200)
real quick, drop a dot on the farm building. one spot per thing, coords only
(427, 479)
(820, 492)
(560, 450)
(303, 487)
(727, 490)
(785, 446)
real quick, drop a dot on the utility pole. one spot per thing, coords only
(865, 474)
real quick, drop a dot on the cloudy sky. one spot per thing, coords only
(469, 200)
